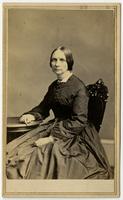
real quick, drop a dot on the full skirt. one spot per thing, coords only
(78, 157)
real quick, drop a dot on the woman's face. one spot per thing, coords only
(58, 62)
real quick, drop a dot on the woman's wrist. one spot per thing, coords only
(51, 138)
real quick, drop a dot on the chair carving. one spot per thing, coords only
(98, 95)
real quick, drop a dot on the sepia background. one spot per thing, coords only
(34, 33)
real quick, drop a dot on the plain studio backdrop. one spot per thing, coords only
(32, 36)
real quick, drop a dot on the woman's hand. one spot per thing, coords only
(27, 118)
(43, 141)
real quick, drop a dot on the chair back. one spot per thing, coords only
(98, 95)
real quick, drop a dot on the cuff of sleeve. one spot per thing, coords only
(73, 129)
(61, 132)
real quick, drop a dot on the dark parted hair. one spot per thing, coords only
(68, 54)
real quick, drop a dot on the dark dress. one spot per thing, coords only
(76, 152)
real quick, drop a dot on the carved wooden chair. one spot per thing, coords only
(98, 95)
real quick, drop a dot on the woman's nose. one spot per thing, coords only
(57, 63)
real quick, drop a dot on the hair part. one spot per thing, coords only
(68, 54)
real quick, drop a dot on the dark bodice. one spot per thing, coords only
(61, 99)
(69, 102)
(61, 111)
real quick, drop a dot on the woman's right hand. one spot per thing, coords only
(27, 118)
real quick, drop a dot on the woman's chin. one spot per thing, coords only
(58, 72)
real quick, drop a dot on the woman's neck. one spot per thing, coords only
(63, 76)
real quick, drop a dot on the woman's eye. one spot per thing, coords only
(62, 60)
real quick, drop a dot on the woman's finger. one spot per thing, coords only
(27, 121)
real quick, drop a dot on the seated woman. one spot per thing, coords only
(67, 147)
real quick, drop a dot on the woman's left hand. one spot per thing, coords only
(43, 141)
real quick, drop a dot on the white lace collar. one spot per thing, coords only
(65, 79)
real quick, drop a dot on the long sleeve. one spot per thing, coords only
(41, 111)
(79, 112)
